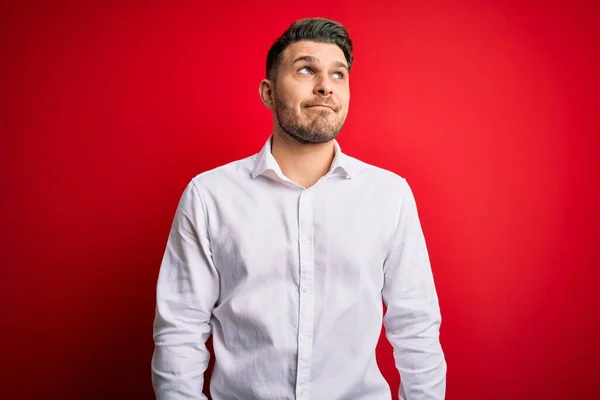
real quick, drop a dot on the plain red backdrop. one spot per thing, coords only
(489, 109)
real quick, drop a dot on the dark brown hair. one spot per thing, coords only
(319, 30)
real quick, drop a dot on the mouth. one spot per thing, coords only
(322, 106)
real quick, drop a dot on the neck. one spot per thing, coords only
(304, 164)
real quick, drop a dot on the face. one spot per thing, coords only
(311, 92)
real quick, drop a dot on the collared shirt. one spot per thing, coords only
(290, 282)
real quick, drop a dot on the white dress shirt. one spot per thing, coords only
(290, 283)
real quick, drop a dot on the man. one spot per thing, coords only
(286, 256)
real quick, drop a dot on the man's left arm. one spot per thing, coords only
(413, 319)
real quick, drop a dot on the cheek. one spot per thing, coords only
(293, 92)
(292, 102)
(345, 97)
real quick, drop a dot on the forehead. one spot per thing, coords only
(325, 52)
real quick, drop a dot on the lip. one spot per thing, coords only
(322, 106)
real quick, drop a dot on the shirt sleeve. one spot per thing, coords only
(187, 290)
(413, 318)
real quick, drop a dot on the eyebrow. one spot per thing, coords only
(338, 64)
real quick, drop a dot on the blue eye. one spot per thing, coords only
(308, 71)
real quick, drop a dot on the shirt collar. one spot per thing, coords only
(266, 163)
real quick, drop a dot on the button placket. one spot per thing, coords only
(306, 292)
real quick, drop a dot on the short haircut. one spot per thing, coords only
(321, 30)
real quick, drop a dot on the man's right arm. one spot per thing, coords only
(187, 290)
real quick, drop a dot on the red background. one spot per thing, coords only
(489, 109)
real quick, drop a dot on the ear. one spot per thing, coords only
(265, 91)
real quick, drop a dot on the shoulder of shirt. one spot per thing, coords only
(231, 170)
(363, 169)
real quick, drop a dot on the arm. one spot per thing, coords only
(413, 317)
(187, 290)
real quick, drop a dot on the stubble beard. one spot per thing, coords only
(318, 130)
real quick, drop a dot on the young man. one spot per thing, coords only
(286, 256)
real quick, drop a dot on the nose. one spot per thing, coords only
(323, 87)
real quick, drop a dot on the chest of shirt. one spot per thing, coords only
(271, 233)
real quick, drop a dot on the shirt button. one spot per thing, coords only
(306, 288)
(304, 339)
(304, 240)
